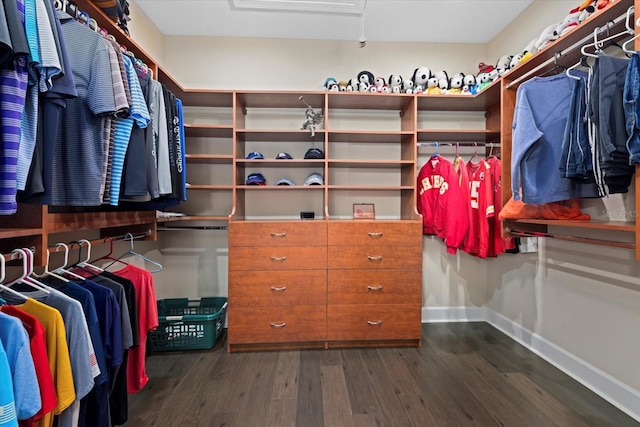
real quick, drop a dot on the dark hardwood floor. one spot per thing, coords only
(465, 374)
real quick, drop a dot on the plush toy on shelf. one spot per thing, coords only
(547, 36)
(395, 83)
(483, 79)
(470, 86)
(420, 77)
(381, 85)
(352, 85)
(331, 84)
(432, 86)
(443, 85)
(504, 64)
(365, 81)
(407, 86)
(455, 84)
(342, 86)
(568, 23)
(515, 60)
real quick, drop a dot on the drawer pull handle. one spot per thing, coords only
(374, 258)
(374, 288)
(374, 322)
(278, 258)
(278, 288)
(278, 325)
(372, 234)
(278, 234)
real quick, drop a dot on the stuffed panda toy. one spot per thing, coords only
(420, 77)
(395, 83)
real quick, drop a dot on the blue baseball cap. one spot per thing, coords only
(255, 155)
(314, 153)
(284, 156)
(256, 179)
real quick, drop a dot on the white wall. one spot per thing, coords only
(584, 299)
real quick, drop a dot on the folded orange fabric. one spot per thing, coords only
(566, 209)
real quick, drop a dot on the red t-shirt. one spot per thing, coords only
(38, 345)
(147, 321)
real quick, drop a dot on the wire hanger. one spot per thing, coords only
(110, 256)
(7, 288)
(556, 66)
(134, 253)
(475, 152)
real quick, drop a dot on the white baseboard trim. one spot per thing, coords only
(453, 314)
(609, 388)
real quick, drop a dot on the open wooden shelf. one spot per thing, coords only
(208, 131)
(369, 136)
(458, 135)
(209, 158)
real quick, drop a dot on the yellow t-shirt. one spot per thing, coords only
(58, 354)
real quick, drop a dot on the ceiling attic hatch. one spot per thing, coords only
(347, 7)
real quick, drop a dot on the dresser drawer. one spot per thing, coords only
(373, 322)
(277, 288)
(274, 233)
(407, 233)
(249, 325)
(377, 257)
(374, 287)
(277, 258)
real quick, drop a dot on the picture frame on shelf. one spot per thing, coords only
(364, 211)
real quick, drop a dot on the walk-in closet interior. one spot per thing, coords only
(213, 214)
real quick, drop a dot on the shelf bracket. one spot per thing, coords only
(401, 113)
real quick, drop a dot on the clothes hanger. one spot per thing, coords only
(435, 153)
(109, 256)
(629, 26)
(556, 66)
(475, 152)
(27, 268)
(85, 264)
(51, 273)
(7, 288)
(62, 269)
(582, 63)
(134, 253)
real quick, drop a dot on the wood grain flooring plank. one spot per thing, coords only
(365, 420)
(359, 385)
(462, 407)
(309, 412)
(282, 413)
(335, 398)
(543, 401)
(385, 388)
(259, 396)
(285, 384)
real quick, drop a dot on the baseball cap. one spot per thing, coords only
(314, 153)
(255, 155)
(314, 179)
(256, 179)
(285, 181)
(284, 156)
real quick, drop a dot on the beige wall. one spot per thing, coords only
(145, 33)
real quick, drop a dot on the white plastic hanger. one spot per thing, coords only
(51, 273)
(625, 45)
(85, 264)
(27, 268)
(2, 276)
(61, 270)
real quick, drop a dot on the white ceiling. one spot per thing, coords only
(437, 21)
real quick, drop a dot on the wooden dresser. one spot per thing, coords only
(277, 284)
(374, 282)
(305, 284)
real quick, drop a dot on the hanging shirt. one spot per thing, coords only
(57, 352)
(537, 142)
(26, 391)
(441, 202)
(38, 345)
(481, 208)
(8, 416)
(147, 321)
